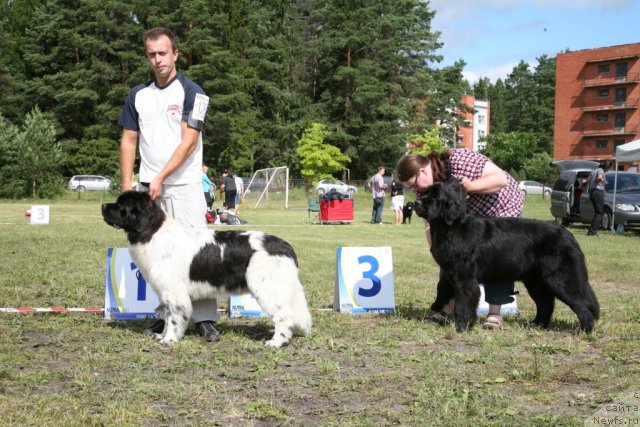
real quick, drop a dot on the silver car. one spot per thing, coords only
(89, 182)
(326, 185)
(534, 187)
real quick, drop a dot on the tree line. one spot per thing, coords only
(367, 70)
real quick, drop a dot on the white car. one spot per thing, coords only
(89, 182)
(326, 185)
(534, 187)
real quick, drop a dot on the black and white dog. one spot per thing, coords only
(182, 265)
(407, 212)
(469, 249)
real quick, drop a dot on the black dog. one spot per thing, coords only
(468, 249)
(407, 212)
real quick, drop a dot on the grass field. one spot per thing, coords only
(77, 370)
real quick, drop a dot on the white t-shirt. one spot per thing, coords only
(157, 113)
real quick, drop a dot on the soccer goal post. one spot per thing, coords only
(268, 186)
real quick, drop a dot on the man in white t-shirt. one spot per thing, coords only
(167, 116)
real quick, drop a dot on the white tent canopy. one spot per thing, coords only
(629, 152)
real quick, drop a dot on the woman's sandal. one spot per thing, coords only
(441, 318)
(493, 321)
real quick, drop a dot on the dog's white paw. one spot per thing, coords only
(274, 343)
(167, 340)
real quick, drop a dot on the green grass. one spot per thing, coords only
(76, 369)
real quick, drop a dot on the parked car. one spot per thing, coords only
(254, 184)
(570, 196)
(534, 187)
(89, 182)
(326, 185)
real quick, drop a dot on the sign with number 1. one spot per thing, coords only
(364, 280)
(127, 294)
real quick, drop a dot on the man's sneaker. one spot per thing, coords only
(156, 328)
(208, 331)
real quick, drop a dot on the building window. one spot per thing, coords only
(602, 117)
(601, 144)
(603, 68)
(481, 119)
(603, 93)
(481, 133)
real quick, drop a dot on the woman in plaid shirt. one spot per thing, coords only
(491, 192)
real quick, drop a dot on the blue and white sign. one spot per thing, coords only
(364, 280)
(127, 294)
(40, 214)
(244, 305)
(483, 307)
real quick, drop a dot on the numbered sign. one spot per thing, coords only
(483, 307)
(364, 280)
(244, 305)
(127, 295)
(40, 214)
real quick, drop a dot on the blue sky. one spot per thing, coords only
(492, 36)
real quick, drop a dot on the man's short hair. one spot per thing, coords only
(156, 33)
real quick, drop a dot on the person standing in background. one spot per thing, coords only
(239, 192)
(167, 116)
(596, 195)
(377, 185)
(397, 200)
(229, 188)
(208, 187)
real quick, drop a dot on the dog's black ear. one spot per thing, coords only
(453, 197)
(144, 212)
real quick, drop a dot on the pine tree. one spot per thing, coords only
(497, 97)
(370, 63)
(30, 158)
(544, 109)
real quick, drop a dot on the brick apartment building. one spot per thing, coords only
(597, 102)
(478, 121)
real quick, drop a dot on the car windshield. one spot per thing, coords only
(627, 183)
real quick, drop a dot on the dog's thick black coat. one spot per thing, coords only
(469, 249)
(407, 212)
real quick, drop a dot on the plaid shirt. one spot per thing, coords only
(506, 202)
(377, 186)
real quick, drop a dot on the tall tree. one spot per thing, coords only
(498, 100)
(544, 107)
(449, 87)
(482, 88)
(80, 60)
(521, 99)
(370, 69)
(30, 158)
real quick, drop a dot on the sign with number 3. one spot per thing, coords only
(40, 214)
(364, 280)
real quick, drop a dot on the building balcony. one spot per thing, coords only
(628, 104)
(586, 151)
(611, 81)
(619, 131)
